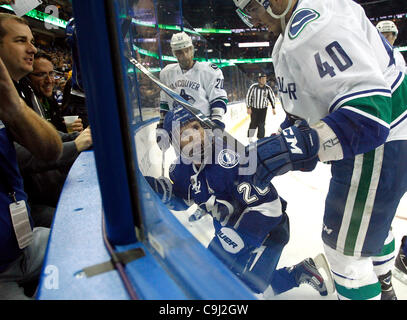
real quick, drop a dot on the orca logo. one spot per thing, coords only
(301, 18)
(214, 66)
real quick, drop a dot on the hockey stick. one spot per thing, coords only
(208, 123)
(175, 96)
(231, 141)
(171, 93)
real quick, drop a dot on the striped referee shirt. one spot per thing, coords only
(258, 97)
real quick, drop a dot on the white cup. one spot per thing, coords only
(69, 120)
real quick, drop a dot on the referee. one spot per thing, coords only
(257, 99)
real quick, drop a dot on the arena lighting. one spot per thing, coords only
(227, 44)
(253, 44)
(151, 24)
(38, 15)
(220, 62)
(203, 30)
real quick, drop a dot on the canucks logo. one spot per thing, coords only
(300, 20)
(228, 159)
(187, 98)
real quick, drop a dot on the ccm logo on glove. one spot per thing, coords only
(291, 140)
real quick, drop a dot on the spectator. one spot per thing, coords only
(257, 99)
(20, 260)
(43, 179)
(42, 81)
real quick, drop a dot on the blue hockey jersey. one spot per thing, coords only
(243, 214)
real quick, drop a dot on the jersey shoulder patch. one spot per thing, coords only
(214, 66)
(300, 20)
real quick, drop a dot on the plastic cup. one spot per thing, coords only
(69, 120)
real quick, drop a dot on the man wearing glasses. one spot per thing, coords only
(42, 80)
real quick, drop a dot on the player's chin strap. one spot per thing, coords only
(281, 16)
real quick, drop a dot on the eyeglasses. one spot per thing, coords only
(44, 75)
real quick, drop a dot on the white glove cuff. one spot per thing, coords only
(330, 148)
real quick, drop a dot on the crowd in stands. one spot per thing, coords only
(64, 9)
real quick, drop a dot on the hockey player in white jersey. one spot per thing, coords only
(338, 73)
(389, 30)
(251, 226)
(200, 83)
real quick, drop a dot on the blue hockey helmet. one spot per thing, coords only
(179, 116)
(193, 144)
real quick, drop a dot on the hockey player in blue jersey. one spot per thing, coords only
(338, 73)
(251, 226)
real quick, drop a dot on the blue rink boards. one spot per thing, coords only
(76, 242)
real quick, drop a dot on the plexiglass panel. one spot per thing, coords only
(147, 39)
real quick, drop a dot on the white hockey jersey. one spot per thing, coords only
(202, 86)
(332, 57)
(400, 62)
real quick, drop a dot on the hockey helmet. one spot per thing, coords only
(179, 114)
(180, 41)
(387, 26)
(198, 146)
(244, 14)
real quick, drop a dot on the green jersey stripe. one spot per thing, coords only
(399, 100)
(360, 201)
(363, 293)
(377, 106)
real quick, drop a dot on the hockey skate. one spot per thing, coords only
(387, 287)
(400, 265)
(316, 273)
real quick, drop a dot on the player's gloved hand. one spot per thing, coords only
(162, 138)
(162, 186)
(197, 215)
(219, 123)
(296, 148)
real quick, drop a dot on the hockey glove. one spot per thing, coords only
(197, 215)
(296, 148)
(162, 138)
(219, 123)
(163, 187)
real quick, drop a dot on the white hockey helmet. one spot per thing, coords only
(180, 41)
(387, 26)
(245, 16)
